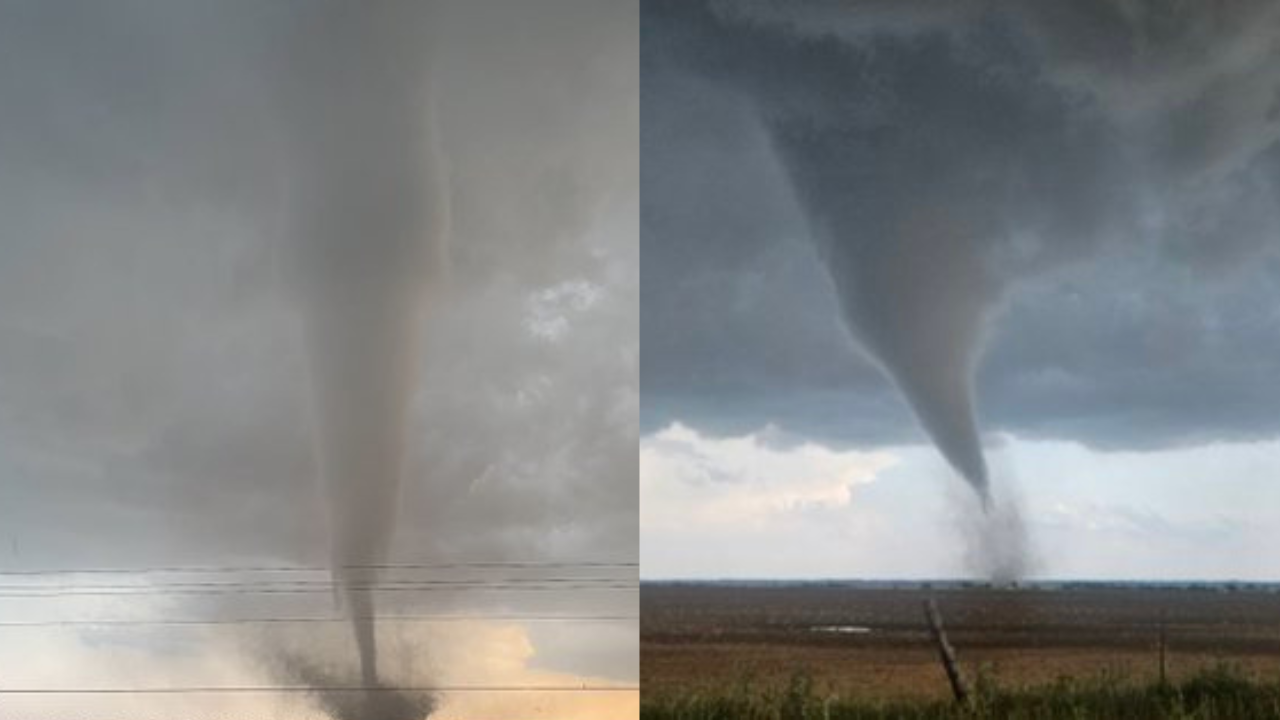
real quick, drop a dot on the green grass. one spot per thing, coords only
(1219, 693)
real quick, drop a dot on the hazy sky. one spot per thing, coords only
(1077, 199)
(153, 399)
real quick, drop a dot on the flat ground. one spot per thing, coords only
(713, 638)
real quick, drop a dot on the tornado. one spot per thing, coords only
(926, 166)
(362, 336)
(914, 290)
(363, 256)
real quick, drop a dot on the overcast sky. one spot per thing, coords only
(153, 398)
(1076, 202)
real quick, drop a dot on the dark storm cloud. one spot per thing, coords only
(1079, 198)
(153, 399)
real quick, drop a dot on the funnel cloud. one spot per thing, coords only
(366, 245)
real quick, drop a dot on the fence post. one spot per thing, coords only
(946, 653)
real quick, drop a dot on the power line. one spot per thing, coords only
(480, 587)
(303, 620)
(322, 689)
(319, 584)
(212, 569)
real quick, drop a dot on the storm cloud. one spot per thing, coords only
(1082, 197)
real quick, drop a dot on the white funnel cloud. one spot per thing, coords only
(916, 296)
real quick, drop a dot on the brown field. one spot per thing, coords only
(713, 638)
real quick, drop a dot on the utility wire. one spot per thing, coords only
(336, 689)
(302, 620)
(481, 587)
(320, 584)
(211, 569)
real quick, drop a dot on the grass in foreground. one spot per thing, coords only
(1219, 693)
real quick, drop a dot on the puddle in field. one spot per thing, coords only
(841, 629)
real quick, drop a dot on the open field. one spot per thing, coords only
(1218, 693)
(868, 642)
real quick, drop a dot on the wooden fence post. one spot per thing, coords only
(946, 653)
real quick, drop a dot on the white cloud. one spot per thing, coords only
(549, 312)
(747, 507)
(687, 478)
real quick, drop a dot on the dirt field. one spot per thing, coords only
(871, 641)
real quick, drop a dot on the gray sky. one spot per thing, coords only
(153, 403)
(1078, 200)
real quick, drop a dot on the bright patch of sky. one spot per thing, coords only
(752, 506)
